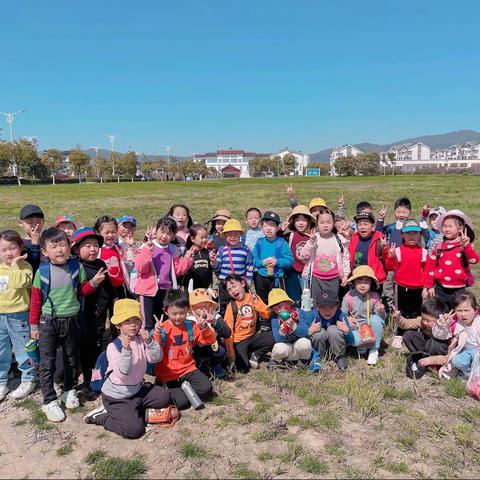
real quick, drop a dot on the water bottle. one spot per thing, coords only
(192, 395)
(306, 300)
(31, 349)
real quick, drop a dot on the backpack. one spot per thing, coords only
(44, 269)
(99, 373)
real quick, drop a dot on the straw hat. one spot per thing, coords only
(200, 295)
(125, 309)
(363, 271)
(232, 225)
(222, 214)
(277, 295)
(301, 210)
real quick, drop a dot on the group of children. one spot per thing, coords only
(188, 303)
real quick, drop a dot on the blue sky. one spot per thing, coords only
(257, 75)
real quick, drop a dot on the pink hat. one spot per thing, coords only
(454, 213)
(66, 218)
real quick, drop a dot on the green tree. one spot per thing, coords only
(323, 167)
(130, 164)
(6, 157)
(52, 159)
(78, 161)
(392, 158)
(289, 164)
(368, 164)
(345, 166)
(26, 159)
(101, 168)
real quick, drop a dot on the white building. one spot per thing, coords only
(301, 159)
(466, 155)
(345, 151)
(222, 159)
(411, 156)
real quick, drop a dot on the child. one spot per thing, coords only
(32, 220)
(325, 334)
(343, 226)
(54, 317)
(181, 214)
(366, 246)
(252, 219)
(271, 257)
(290, 331)
(232, 258)
(364, 307)
(249, 340)
(366, 207)
(463, 328)
(200, 274)
(127, 226)
(328, 255)
(67, 224)
(113, 255)
(433, 234)
(157, 264)
(448, 267)
(177, 337)
(218, 222)
(125, 394)
(300, 223)
(86, 245)
(15, 284)
(209, 358)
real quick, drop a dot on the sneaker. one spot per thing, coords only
(3, 392)
(24, 389)
(342, 363)
(95, 417)
(71, 399)
(397, 342)
(218, 371)
(372, 357)
(87, 393)
(254, 360)
(273, 364)
(54, 411)
(58, 390)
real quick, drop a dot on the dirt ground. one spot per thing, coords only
(368, 423)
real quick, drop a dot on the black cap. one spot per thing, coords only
(29, 210)
(412, 369)
(364, 216)
(271, 216)
(327, 298)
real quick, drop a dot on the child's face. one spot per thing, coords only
(126, 229)
(164, 236)
(176, 315)
(236, 289)
(281, 306)
(269, 228)
(432, 221)
(465, 313)
(201, 309)
(452, 228)
(301, 223)
(411, 238)
(8, 251)
(57, 252)
(67, 227)
(366, 210)
(219, 225)
(200, 239)
(327, 311)
(88, 249)
(109, 232)
(253, 219)
(343, 227)
(428, 322)
(365, 228)
(28, 224)
(130, 327)
(233, 238)
(401, 213)
(325, 223)
(181, 217)
(362, 285)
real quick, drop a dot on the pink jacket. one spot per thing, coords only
(146, 282)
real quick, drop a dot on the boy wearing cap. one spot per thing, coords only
(271, 257)
(428, 217)
(32, 220)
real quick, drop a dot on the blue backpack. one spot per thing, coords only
(99, 373)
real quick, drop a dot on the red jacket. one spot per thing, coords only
(374, 254)
(408, 264)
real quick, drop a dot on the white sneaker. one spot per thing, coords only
(372, 358)
(24, 389)
(58, 390)
(397, 342)
(71, 399)
(54, 411)
(3, 392)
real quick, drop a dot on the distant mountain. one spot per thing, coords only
(435, 142)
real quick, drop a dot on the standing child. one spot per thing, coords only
(182, 217)
(217, 223)
(32, 220)
(252, 219)
(54, 317)
(15, 284)
(200, 274)
(430, 216)
(125, 394)
(127, 225)
(177, 337)
(67, 224)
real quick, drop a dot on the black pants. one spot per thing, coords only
(57, 332)
(152, 306)
(409, 301)
(126, 416)
(446, 294)
(199, 382)
(92, 344)
(223, 298)
(263, 285)
(417, 341)
(260, 342)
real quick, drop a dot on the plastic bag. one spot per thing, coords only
(473, 384)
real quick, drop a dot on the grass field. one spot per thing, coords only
(369, 423)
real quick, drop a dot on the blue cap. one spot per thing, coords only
(411, 225)
(127, 218)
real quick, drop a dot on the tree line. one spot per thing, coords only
(363, 164)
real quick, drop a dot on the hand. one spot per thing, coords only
(353, 322)
(284, 226)
(314, 328)
(379, 307)
(129, 240)
(202, 321)
(344, 281)
(384, 243)
(273, 261)
(17, 259)
(445, 318)
(425, 362)
(424, 293)
(426, 208)
(158, 325)
(430, 292)
(146, 337)
(313, 236)
(35, 334)
(342, 326)
(213, 256)
(99, 277)
(382, 212)
(464, 240)
(396, 315)
(192, 251)
(125, 341)
(254, 298)
(35, 234)
(290, 192)
(391, 250)
(341, 201)
(150, 234)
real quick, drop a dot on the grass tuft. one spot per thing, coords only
(37, 418)
(65, 449)
(106, 467)
(311, 464)
(191, 450)
(242, 471)
(455, 387)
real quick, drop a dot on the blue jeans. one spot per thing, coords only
(463, 361)
(377, 325)
(14, 331)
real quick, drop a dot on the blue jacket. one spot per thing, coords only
(279, 249)
(304, 321)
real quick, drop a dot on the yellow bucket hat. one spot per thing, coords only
(277, 295)
(301, 210)
(317, 202)
(363, 271)
(200, 295)
(232, 225)
(125, 309)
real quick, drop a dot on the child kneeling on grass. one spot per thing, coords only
(125, 394)
(290, 329)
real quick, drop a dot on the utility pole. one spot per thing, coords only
(112, 143)
(9, 117)
(96, 151)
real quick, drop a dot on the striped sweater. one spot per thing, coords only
(240, 257)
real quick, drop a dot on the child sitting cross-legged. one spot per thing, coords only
(290, 331)
(125, 394)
